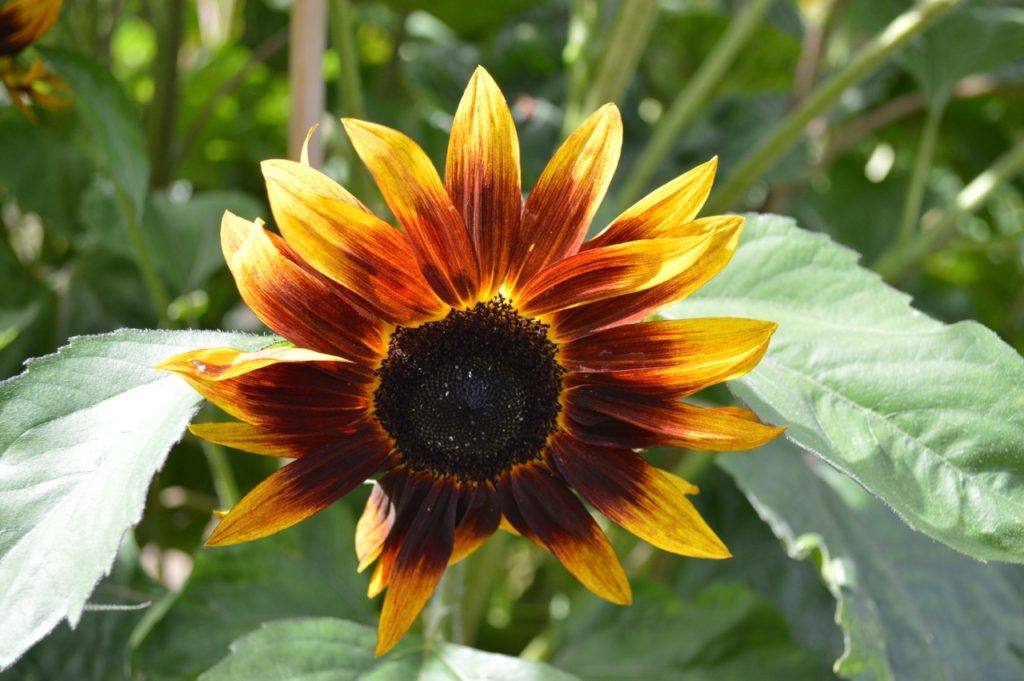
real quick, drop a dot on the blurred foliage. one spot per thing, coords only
(76, 187)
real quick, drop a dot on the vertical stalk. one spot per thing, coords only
(693, 97)
(307, 38)
(350, 88)
(150, 279)
(869, 58)
(919, 176)
(899, 261)
(583, 20)
(624, 47)
(223, 477)
(164, 108)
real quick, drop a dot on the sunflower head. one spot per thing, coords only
(483, 360)
(22, 22)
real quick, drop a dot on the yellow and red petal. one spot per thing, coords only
(418, 199)
(567, 325)
(305, 486)
(664, 211)
(422, 558)
(636, 495)
(24, 21)
(671, 357)
(719, 429)
(374, 525)
(482, 176)
(283, 396)
(539, 505)
(479, 517)
(608, 272)
(294, 300)
(562, 205)
(256, 440)
(349, 244)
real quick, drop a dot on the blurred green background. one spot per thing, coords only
(200, 93)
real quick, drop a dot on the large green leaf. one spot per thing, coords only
(324, 648)
(81, 434)
(308, 570)
(927, 416)
(911, 608)
(727, 633)
(110, 117)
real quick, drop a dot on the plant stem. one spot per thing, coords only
(919, 176)
(164, 108)
(897, 263)
(624, 46)
(693, 97)
(307, 39)
(583, 20)
(350, 89)
(158, 295)
(442, 618)
(223, 477)
(870, 57)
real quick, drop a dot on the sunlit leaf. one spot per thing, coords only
(324, 648)
(81, 434)
(911, 608)
(928, 416)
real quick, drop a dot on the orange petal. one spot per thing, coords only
(373, 526)
(348, 243)
(608, 272)
(671, 357)
(282, 392)
(561, 206)
(719, 429)
(577, 322)
(541, 507)
(636, 495)
(414, 192)
(422, 558)
(249, 438)
(479, 519)
(24, 21)
(294, 300)
(304, 487)
(482, 176)
(661, 213)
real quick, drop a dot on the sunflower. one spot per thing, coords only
(22, 22)
(482, 362)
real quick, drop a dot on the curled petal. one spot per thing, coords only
(294, 300)
(671, 357)
(637, 496)
(482, 176)
(304, 487)
(541, 507)
(561, 206)
(582, 320)
(414, 192)
(374, 525)
(719, 429)
(662, 213)
(608, 272)
(287, 393)
(343, 240)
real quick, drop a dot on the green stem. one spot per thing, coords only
(350, 88)
(919, 176)
(624, 47)
(870, 57)
(482, 568)
(583, 20)
(223, 477)
(150, 279)
(163, 111)
(897, 263)
(693, 97)
(442, 618)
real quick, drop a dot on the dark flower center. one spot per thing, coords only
(472, 394)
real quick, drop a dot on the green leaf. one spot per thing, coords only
(324, 648)
(81, 434)
(112, 120)
(307, 570)
(927, 416)
(726, 633)
(911, 608)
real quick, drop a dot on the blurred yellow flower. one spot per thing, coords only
(21, 23)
